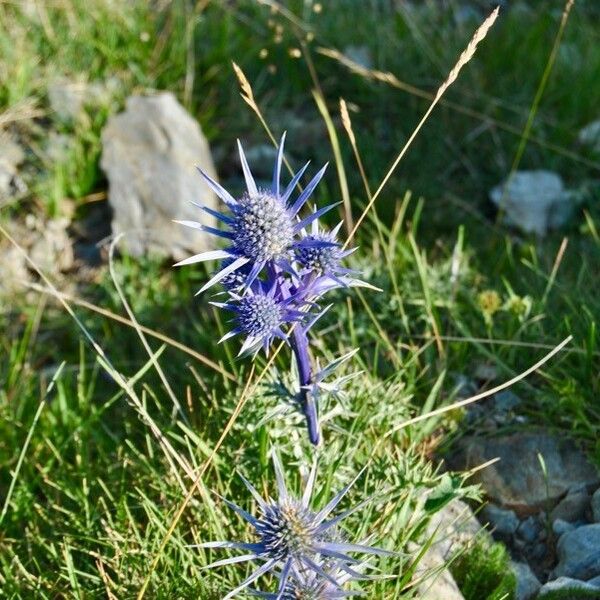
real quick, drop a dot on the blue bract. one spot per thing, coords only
(301, 545)
(275, 268)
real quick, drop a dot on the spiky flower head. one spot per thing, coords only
(262, 226)
(294, 540)
(261, 315)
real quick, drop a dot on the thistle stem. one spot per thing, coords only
(299, 345)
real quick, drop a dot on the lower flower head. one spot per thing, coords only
(287, 529)
(259, 315)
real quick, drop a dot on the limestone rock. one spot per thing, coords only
(453, 525)
(534, 201)
(150, 154)
(516, 481)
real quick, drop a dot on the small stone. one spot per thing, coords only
(596, 506)
(527, 583)
(590, 136)
(52, 251)
(504, 522)
(534, 201)
(539, 552)
(150, 154)
(13, 273)
(529, 529)
(69, 98)
(564, 586)
(486, 372)
(560, 527)
(572, 507)
(579, 553)
(506, 401)
(11, 156)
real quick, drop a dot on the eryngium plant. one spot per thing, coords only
(274, 271)
(301, 545)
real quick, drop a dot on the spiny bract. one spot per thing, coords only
(294, 540)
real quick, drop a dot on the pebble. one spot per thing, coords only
(504, 522)
(572, 507)
(579, 553)
(560, 527)
(527, 583)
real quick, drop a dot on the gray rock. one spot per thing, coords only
(440, 584)
(566, 585)
(595, 581)
(13, 273)
(506, 401)
(529, 529)
(527, 583)
(150, 153)
(69, 98)
(504, 522)
(560, 527)
(579, 553)
(453, 526)
(572, 507)
(590, 136)
(596, 506)
(534, 201)
(11, 156)
(516, 481)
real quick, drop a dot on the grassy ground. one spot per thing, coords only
(87, 490)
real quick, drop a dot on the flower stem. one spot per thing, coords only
(299, 345)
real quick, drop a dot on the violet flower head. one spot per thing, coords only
(262, 227)
(261, 315)
(299, 544)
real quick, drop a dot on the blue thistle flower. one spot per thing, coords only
(320, 253)
(261, 315)
(274, 270)
(262, 227)
(293, 538)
